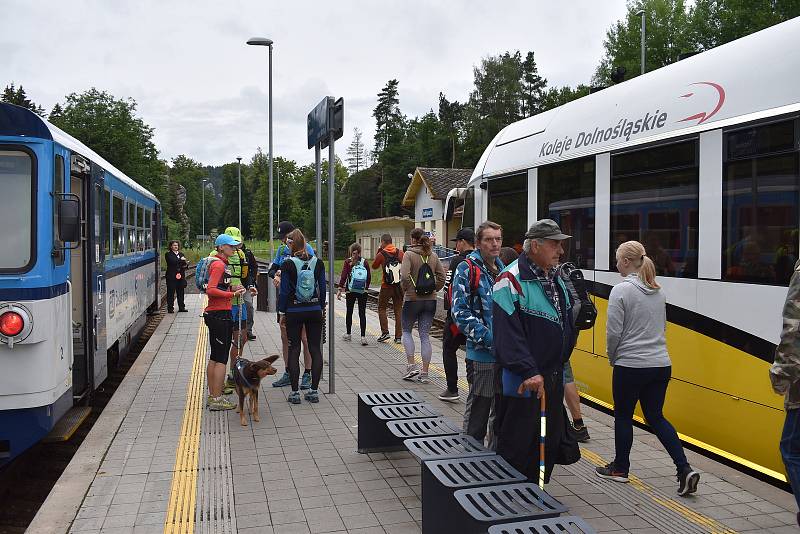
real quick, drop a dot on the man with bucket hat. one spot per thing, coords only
(533, 337)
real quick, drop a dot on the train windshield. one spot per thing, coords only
(16, 209)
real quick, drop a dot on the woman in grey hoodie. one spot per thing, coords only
(637, 349)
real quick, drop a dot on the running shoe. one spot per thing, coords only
(611, 472)
(312, 395)
(398, 340)
(347, 337)
(581, 433)
(687, 481)
(449, 396)
(284, 380)
(423, 378)
(383, 337)
(306, 382)
(363, 341)
(220, 403)
(294, 397)
(411, 372)
(226, 389)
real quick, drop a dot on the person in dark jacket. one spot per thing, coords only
(452, 339)
(250, 282)
(533, 337)
(176, 276)
(354, 295)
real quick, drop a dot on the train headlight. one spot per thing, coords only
(16, 324)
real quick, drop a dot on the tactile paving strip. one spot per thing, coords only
(215, 504)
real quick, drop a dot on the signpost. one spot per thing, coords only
(325, 125)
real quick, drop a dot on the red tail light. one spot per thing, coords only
(11, 324)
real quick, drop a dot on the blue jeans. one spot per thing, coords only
(790, 450)
(647, 385)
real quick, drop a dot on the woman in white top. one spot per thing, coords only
(637, 348)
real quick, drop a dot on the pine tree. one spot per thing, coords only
(18, 97)
(387, 114)
(356, 153)
(533, 87)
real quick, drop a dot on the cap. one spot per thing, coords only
(234, 233)
(467, 234)
(546, 229)
(225, 239)
(284, 227)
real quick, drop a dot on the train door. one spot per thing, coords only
(80, 178)
(98, 225)
(155, 232)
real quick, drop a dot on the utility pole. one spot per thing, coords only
(240, 193)
(641, 14)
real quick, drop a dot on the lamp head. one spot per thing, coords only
(259, 41)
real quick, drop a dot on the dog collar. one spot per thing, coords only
(240, 364)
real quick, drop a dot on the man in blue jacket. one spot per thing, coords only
(472, 313)
(533, 337)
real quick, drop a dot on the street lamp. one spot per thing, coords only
(204, 211)
(278, 200)
(240, 193)
(641, 14)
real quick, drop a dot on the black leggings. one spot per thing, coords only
(295, 321)
(351, 299)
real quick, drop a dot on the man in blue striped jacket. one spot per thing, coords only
(533, 337)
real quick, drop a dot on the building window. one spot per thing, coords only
(118, 214)
(508, 207)
(760, 213)
(654, 200)
(58, 190)
(566, 195)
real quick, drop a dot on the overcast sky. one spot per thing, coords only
(205, 92)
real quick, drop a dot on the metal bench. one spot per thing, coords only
(372, 433)
(443, 447)
(568, 524)
(440, 478)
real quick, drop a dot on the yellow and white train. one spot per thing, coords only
(699, 161)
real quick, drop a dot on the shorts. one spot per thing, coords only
(568, 376)
(236, 309)
(220, 331)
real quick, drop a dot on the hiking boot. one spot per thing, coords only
(449, 396)
(411, 372)
(219, 404)
(305, 383)
(581, 433)
(383, 337)
(611, 472)
(294, 397)
(284, 380)
(423, 378)
(363, 341)
(687, 481)
(312, 395)
(347, 337)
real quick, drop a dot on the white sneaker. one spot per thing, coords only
(423, 378)
(411, 372)
(363, 341)
(346, 337)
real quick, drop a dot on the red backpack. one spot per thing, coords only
(474, 282)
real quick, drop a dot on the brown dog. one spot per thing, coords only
(247, 377)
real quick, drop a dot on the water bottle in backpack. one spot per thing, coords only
(306, 288)
(357, 283)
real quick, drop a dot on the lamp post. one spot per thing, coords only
(278, 200)
(204, 212)
(240, 193)
(263, 41)
(641, 14)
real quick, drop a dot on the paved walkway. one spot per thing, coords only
(172, 466)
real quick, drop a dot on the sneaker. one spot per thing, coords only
(229, 383)
(209, 398)
(251, 337)
(612, 473)
(398, 341)
(220, 404)
(312, 395)
(411, 372)
(449, 396)
(227, 390)
(183, 310)
(347, 337)
(305, 383)
(581, 433)
(687, 481)
(284, 380)
(363, 341)
(422, 378)
(294, 397)
(383, 337)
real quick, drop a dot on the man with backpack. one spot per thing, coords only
(354, 282)
(452, 338)
(389, 258)
(472, 289)
(250, 283)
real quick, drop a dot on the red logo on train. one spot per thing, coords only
(703, 116)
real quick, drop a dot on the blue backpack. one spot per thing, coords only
(202, 272)
(358, 278)
(306, 288)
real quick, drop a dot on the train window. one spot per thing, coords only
(140, 243)
(654, 199)
(760, 185)
(106, 222)
(566, 195)
(130, 224)
(58, 189)
(148, 230)
(17, 209)
(508, 207)
(118, 214)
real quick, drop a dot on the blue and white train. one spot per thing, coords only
(79, 270)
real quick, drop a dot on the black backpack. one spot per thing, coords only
(584, 311)
(391, 269)
(425, 284)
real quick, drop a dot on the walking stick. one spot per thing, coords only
(542, 435)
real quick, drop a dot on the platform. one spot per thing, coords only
(158, 461)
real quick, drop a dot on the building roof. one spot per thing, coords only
(383, 221)
(438, 181)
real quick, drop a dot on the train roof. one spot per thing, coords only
(22, 122)
(747, 79)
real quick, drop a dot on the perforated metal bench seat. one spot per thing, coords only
(418, 428)
(372, 432)
(404, 411)
(443, 447)
(568, 524)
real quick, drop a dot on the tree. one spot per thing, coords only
(387, 115)
(20, 98)
(355, 153)
(716, 22)
(558, 96)
(451, 117)
(533, 87)
(189, 174)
